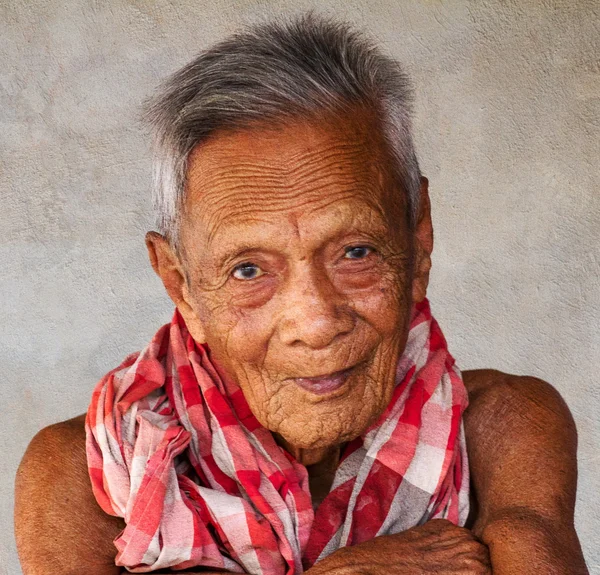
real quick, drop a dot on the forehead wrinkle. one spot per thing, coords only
(281, 176)
(305, 160)
(229, 159)
(246, 198)
(271, 188)
(283, 168)
(236, 224)
(362, 208)
(330, 177)
(230, 176)
(228, 219)
(223, 220)
(274, 198)
(233, 181)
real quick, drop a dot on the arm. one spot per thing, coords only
(437, 546)
(522, 447)
(61, 530)
(59, 527)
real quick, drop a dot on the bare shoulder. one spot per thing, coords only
(56, 453)
(59, 526)
(526, 398)
(68, 437)
(519, 416)
(522, 445)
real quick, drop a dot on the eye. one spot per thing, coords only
(357, 252)
(247, 271)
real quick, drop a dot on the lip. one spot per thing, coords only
(324, 384)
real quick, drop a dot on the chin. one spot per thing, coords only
(322, 432)
(312, 421)
(314, 442)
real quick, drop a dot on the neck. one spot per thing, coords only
(309, 457)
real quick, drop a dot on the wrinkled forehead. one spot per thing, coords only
(291, 169)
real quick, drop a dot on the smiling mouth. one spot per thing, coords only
(324, 384)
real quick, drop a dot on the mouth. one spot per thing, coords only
(324, 384)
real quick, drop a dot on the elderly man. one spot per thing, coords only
(301, 411)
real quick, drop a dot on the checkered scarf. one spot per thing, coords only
(174, 449)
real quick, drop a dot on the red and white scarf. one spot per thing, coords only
(174, 449)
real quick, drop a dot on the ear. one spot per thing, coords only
(423, 238)
(169, 269)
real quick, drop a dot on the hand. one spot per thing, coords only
(438, 546)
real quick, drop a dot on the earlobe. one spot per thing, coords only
(423, 242)
(167, 265)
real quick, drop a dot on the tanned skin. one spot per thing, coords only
(307, 309)
(522, 445)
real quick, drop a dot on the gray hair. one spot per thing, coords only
(276, 71)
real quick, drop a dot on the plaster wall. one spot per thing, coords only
(507, 125)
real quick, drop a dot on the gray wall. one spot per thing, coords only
(507, 130)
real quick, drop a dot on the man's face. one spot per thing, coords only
(298, 258)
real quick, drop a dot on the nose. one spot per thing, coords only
(314, 312)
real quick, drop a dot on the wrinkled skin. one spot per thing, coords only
(327, 282)
(310, 213)
(438, 546)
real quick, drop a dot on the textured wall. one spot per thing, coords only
(507, 130)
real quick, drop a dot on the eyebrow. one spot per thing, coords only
(377, 233)
(226, 259)
(240, 251)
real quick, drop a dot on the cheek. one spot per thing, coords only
(238, 338)
(252, 294)
(238, 320)
(386, 305)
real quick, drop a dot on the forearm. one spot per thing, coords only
(191, 571)
(524, 544)
(168, 572)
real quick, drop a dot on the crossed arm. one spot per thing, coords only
(522, 446)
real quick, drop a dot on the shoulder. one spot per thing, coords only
(520, 433)
(69, 435)
(57, 519)
(522, 447)
(522, 398)
(478, 381)
(54, 457)
(55, 453)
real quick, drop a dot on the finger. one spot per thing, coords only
(466, 568)
(477, 556)
(441, 529)
(455, 538)
(447, 538)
